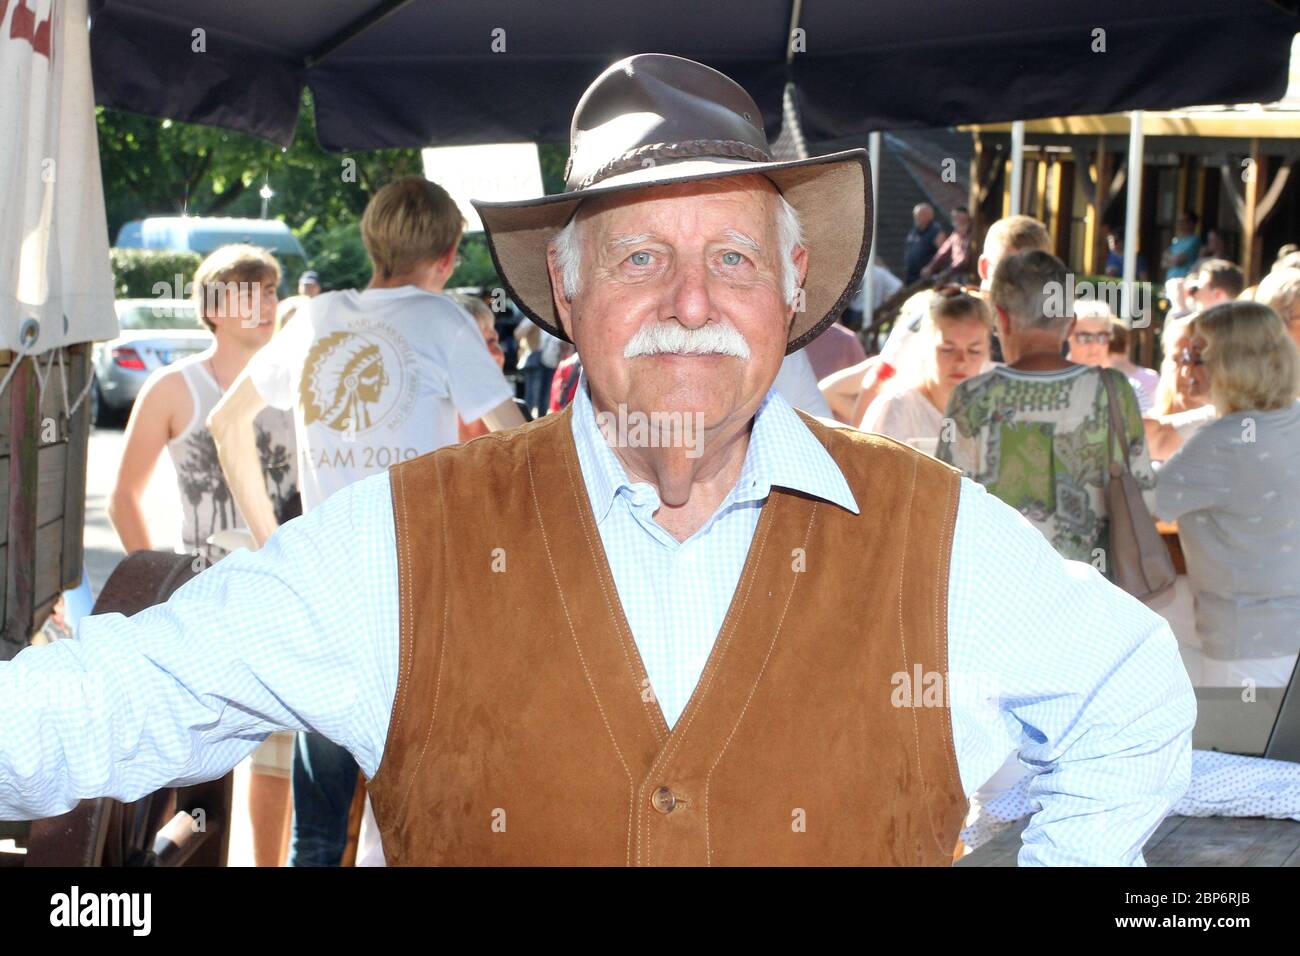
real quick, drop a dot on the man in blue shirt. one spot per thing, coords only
(1185, 248)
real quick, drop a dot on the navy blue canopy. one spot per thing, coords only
(390, 73)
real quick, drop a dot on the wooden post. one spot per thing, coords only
(1096, 235)
(20, 570)
(1043, 186)
(1251, 241)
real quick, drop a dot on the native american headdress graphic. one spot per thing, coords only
(341, 381)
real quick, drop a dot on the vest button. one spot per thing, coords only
(663, 800)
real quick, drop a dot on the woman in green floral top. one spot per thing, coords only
(1034, 431)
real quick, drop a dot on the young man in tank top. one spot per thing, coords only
(235, 292)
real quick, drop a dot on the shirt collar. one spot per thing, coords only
(782, 453)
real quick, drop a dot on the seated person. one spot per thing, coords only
(1231, 488)
(1181, 404)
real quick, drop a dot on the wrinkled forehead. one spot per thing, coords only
(745, 203)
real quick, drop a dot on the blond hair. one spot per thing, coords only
(1014, 234)
(1252, 363)
(1166, 397)
(1280, 291)
(224, 269)
(409, 221)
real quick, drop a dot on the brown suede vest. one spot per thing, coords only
(524, 731)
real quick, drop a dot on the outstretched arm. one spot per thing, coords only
(301, 635)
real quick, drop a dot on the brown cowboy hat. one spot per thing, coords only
(653, 119)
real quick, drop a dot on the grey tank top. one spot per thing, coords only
(206, 503)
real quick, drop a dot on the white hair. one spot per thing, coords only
(789, 234)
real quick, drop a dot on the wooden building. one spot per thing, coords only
(1231, 165)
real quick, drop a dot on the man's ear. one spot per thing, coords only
(800, 257)
(1003, 322)
(563, 308)
(982, 266)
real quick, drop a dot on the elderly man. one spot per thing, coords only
(676, 623)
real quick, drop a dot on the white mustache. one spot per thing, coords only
(675, 339)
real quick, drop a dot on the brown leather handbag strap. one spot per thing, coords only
(1115, 425)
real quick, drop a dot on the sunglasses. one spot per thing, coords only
(1091, 338)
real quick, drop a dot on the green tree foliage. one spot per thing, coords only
(157, 167)
(137, 273)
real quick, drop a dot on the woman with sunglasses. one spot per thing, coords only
(1232, 490)
(1182, 402)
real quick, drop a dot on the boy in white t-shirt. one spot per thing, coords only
(373, 377)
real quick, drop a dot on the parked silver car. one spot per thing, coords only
(155, 332)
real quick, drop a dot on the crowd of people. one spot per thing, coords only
(295, 400)
(1212, 435)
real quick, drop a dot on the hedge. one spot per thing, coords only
(137, 273)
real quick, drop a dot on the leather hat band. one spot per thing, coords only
(691, 149)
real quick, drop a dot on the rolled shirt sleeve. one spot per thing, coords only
(1048, 658)
(300, 635)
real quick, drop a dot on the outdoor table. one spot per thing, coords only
(1169, 532)
(1182, 841)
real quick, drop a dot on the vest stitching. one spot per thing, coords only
(442, 644)
(405, 646)
(941, 622)
(706, 679)
(404, 588)
(708, 779)
(618, 617)
(546, 544)
(902, 634)
(948, 531)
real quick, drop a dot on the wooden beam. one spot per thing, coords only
(20, 570)
(1280, 178)
(1095, 238)
(1232, 185)
(1212, 123)
(1251, 240)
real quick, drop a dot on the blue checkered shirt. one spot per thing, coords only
(1045, 657)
